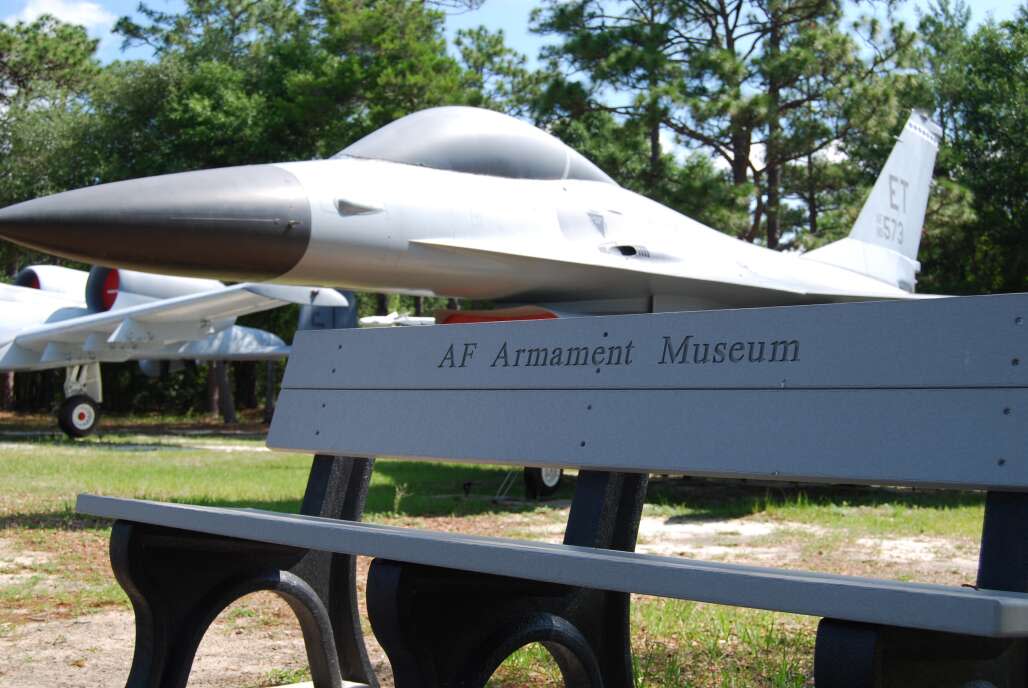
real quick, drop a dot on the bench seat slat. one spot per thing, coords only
(934, 607)
(966, 438)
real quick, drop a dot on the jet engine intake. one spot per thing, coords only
(114, 288)
(53, 278)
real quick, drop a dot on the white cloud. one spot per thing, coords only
(88, 14)
(834, 152)
(757, 152)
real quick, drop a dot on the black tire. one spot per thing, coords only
(542, 482)
(78, 416)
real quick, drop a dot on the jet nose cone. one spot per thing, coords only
(246, 223)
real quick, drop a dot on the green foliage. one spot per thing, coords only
(943, 31)
(222, 30)
(494, 75)
(44, 57)
(991, 154)
(374, 63)
(39, 150)
(239, 82)
(976, 236)
(623, 147)
(44, 67)
(765, 86)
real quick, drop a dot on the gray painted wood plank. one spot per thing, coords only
(952, 342)
(969, 438)
(958, 610)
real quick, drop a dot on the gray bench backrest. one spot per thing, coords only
(932, 392)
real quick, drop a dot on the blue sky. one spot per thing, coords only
(510, 15)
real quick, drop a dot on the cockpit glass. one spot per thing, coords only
(464, 139)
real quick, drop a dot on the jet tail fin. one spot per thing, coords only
(884, 240)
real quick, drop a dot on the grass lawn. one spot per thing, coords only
(53, 563)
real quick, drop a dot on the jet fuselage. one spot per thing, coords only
(386, 226)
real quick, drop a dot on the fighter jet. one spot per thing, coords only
(56, 317)
(464, 202)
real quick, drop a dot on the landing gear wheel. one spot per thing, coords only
(78, 416)
(542, 482)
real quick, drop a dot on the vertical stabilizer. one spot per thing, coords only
(884, 241)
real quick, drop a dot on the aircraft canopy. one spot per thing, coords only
(466, 139)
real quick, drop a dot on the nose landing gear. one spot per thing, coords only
(79, 414)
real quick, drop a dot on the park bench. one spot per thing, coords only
(926, 394)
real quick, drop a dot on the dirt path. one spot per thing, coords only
(249, 649)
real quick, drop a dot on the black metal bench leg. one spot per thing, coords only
(446, 628)
(338, 488)
(847, 655)
(173, 612)
(852, 655)
(443, 628)
(179, 581)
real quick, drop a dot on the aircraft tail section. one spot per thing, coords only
(884, 240)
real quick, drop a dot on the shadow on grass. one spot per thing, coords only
(414, 488)
(114, 441)
(409, 489)
(723, 499)
(114, 447)
(52, 520)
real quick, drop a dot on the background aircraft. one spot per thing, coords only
(395, 319)
(471, 203)
(56, 317)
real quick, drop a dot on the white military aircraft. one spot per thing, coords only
(56, 317)
(464, 202)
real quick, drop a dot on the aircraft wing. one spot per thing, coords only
(152, 328)
(14, 294)
(729, 282)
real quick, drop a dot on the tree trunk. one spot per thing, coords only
(758, 213)
(653, 115)
(419, 305)
(227, 404)
(654, 152)
(774, 202)
(740, 153)
(381, 304)
(213, 393)
(772, 156)
(246, 384)
(811, 195)
(7, 391)
(270, 390)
